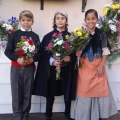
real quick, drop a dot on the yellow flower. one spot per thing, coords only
(76, 30)
(81, 37)
(79, 34)
(80, 29)
(67, 36)
(117, 6)
(106, 8)
(18, 44)
(21, 44)
(72, 38)
(105, 12)
(86, 35)
(113, 7)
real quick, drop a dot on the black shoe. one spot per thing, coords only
(47, 118)
(68, 118)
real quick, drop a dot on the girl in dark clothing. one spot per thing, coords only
(45, 80)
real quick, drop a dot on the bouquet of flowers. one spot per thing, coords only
(110, 23)
(110, 28)
(6, 29)
(59, 48)
(79, 39)
(26, 48)
(110, 10)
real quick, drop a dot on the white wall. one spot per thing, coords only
(44, 18)
(113, 76)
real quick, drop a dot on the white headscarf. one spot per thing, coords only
(62, 12)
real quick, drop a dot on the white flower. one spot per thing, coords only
(98, 26)
(31, 48)
(25, 49)
(113, 28)
(26, 43)
(57, 54)
(60, 42)
(108, 5)
(4, 25)
(110, 21)
(7, 26)
(56, 40)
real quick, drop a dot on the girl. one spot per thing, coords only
(45, 80)
(94, 99)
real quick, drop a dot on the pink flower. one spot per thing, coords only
(24, 37)
(54, 35)
(49, 47)
(118, 27)
(67, 45)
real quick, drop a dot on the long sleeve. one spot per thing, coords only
(105, 44)
(9, 51)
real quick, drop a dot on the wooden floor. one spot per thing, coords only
(40, 116)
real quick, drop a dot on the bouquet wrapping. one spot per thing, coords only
(59, 48)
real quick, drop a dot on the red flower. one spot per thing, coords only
(21, 52)
(54, 35)
(31, 42)
(11, 31)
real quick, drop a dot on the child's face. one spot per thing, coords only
(91, 21)
(26, 23)
(60, 21)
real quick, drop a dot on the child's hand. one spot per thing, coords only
(66, 59)
(29, 61)
(100, 70)
(56, 62)
(78, 53)
(20, 61)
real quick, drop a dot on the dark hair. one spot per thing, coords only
(91, 11)
(54, 25)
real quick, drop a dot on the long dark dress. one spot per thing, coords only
(45, 80)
